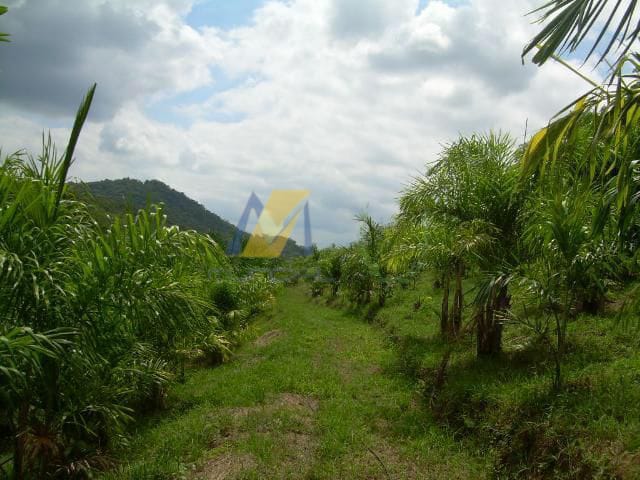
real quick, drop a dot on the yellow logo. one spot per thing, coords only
(276, 221)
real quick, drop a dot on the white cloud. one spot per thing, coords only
(133, 50)
(346, 98)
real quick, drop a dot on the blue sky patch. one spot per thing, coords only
(422, 4)
(167, 110)
(224, 14)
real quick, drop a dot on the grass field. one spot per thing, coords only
(319, 390)
(313, 393)
(589, 429)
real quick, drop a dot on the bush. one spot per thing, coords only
(224, 295)
(357, 276)
(257, 293)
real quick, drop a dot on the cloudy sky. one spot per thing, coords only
(218, 98)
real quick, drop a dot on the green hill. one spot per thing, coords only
(114, 197)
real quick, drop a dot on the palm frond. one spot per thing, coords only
(611, 113)
(569, 22)
(81, 116)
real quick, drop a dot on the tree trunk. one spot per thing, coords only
(489, 324)
(458, 300)
(444, 310)
(441, 373)
(556, 350)
(382, 293)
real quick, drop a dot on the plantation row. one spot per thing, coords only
(532, 251)
(540, 246)
(96, 322)
(529, 242)
(546, 228)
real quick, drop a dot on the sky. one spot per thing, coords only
(349, 99)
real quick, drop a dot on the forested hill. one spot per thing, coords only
(129, 195)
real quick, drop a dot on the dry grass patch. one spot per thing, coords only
(286, 420)
(225, 466)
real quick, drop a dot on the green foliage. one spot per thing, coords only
(331, 268)
(22, 352)
(463, 213)
(362, 269)
(224, 295)
(257, 292)
(608, 116)
(358, 275)
(96, 320)
(4, 37)
(610, 110)
(215, 348)
(583, 219)
(110, 198)
(570, 22)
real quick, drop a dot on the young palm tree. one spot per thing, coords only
(573, 250)
(431, 244)
(373, 238)
(357, 275)
(468, 204)
(37, 229)
(331, 268)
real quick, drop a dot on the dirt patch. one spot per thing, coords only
(337, 344)
(348, 370)
(299, 411)
(382, 461)
(267, 338)
(225, 466)
(291, 401)
(300, 446)
(287, 419)
(627, 465)
(294, 400)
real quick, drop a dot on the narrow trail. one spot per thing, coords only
(314, 394)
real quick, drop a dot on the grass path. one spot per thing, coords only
(313, 393)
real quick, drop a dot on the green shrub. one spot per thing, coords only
(224, 295)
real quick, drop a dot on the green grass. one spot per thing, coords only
(322, 390)
(322, 397)
(591, 429)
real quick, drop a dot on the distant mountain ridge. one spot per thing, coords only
(114, 197)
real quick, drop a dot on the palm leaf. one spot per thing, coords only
(568, 22)
(613, 111)
(81, 116)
